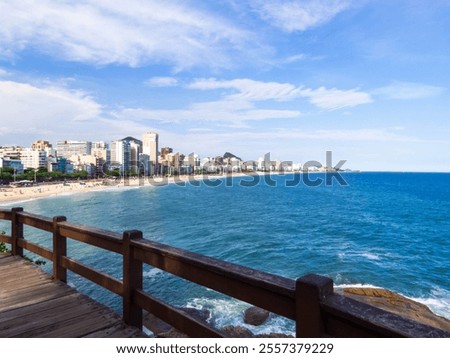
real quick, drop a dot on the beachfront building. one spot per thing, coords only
(135, 151)
(68, 148)
(101, 150)
(11, 152)
(14, 164)
(92, 164)
(120, 155)
(47, 147)
(150, 148)
(190, 164)
(61, 165)
(33, 159)
(41, 145)
(144, 161)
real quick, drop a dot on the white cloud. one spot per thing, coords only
(3, 73)
(299, 15)
(134, 32)
(242, 102)
(333, 98)
(409, 90)
(250, 90)
(25, 108)
(162, 81)
(220, 111)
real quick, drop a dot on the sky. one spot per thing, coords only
(368, 80)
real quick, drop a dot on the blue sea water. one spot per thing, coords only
(388, 230)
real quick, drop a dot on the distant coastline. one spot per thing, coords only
(13, 194)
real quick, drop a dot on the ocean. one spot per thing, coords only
(388, 230)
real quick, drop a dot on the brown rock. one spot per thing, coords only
(255, 316)
(395, 303)
(237, 332)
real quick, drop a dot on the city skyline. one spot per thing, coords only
(366, 80)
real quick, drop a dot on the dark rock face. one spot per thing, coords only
(199, 315)
(256, 316)
(395, 303)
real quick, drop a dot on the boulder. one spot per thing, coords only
(256, 316)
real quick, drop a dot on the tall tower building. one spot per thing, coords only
(150, 148)
(121, 155)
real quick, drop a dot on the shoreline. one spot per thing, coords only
(11, 195)
(32, 191)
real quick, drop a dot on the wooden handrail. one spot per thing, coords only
(267, 291)
(310, 300)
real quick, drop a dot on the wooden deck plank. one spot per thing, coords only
(32, 295)
(34, 305)
(119, 330)
(52, 320)
(42, 306)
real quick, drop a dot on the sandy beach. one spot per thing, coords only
(15, 193)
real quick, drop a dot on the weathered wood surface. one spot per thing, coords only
(34, 305)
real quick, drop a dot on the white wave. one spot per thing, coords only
(228, 312)
(359, 285)
(367, 255)
(153, 272)
(370, 256)
(438, 302)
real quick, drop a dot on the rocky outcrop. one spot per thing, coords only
(398, 304)
(256, 316)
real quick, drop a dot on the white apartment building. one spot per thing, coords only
(120, 154)
(33, 159)
(150, 148)
(67, 148)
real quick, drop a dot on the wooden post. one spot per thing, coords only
(132, 279)
(59, 250)
(310, 290)
(16, 232)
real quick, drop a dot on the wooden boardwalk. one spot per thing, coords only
(34, 305)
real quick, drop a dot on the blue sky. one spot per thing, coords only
(368, 80)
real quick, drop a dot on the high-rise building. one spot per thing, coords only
(33, 159)
(67, 148)
(45, 146)
(120, 155)
(150, 148)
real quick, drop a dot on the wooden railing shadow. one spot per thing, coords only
(309, 301)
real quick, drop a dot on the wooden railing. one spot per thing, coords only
(310, 301)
